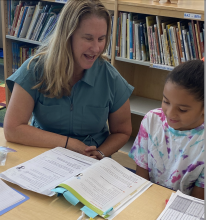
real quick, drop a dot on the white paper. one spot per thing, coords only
(107, 184)
(46, 171)
(8, 196)
(183, 207)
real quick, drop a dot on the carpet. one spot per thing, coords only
(2, 96)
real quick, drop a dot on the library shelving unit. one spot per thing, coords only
(148, 79)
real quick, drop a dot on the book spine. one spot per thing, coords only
(195, 39)
(19, 21)
(134, 45)
(159, 31)
(157, 44)
(152, 45)
(117, 46)
(124, 29)
(190, 47)
(192, 40)
(184, 34)
(170, 46)
(164, 51)
(198, 43)
(142, 43)
(119, 35)
(146, 41)
(130, 39)
(155, 47)
(175, 48)
(167, 47)
(137, 42)
(179, 45)
(181, 42)
(22, 20)
(16, 16)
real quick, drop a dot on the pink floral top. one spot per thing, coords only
(174, 159)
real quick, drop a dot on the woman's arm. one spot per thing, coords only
(120, 130)
(142, 172)
(16, 128)
(198, 192)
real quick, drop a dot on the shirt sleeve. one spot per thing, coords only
(200, 181)
(139, 150)
(26, 78)
(121, 90)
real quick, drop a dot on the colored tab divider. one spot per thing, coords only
(90, 213)
(67, 195)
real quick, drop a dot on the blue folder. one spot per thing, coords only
(13, 206)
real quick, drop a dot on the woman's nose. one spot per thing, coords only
(95, 47)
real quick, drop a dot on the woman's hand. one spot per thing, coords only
(80, 147)
(93, 153)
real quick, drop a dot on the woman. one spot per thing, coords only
(70, 89)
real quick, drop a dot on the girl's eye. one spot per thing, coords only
(166, 102)
(183, 110)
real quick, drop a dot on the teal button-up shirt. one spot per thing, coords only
(84, 113)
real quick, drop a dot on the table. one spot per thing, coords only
(39, 207)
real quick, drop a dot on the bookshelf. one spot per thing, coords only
(148, 79)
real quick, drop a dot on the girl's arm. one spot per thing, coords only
(142, 172)
(198, 192)
(120, 130)
(17, 130)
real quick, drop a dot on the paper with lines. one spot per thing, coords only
(46, 171)
(183, 207)
(8, 196)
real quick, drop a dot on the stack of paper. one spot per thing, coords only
(9, 198)
(181, 206)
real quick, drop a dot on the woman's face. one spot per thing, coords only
(182, 110)
(88, 42)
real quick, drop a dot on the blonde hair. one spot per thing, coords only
(56, 55)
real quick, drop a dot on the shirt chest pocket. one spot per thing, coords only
(94, 119)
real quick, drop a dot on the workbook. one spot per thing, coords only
(102, 186)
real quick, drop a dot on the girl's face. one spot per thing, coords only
(88, 42)
(182, 110)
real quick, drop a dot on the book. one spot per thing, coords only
(137, 41)
(27, 21)
(150, 20)
(189, 45)
(37, 10)
(192, 40)
(102, 186)
(157, 44)
(142, 42)
(198, 43)
(195, 39)
(184, 34)
(181, 47)
(19, 21)
(124, 40)
(22, 20)
(168, 58)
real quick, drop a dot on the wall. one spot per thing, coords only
(1, 43)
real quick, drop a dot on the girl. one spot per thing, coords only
(169, 148)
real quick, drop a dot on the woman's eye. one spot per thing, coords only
(89, 39)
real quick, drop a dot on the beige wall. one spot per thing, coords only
(1, 43)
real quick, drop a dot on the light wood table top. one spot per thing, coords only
(39, 207)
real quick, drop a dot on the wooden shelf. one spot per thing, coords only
(163, 9)
(23, 40)
(146, 63)
(140, 105)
